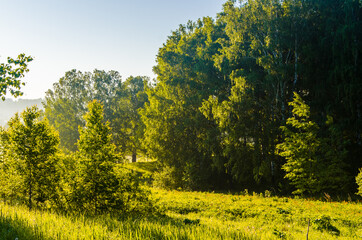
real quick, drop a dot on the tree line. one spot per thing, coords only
(265, 96)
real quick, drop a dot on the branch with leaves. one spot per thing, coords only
(10, 74)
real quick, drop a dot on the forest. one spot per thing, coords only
(265, 98)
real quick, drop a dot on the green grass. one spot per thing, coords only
(18, 222)
(266, 217)
(195, 215)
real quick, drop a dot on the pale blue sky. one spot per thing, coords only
(86, 34)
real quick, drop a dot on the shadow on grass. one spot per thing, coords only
(16, 229)
(130, 226)
(161, 226)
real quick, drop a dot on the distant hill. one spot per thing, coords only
(9, 107)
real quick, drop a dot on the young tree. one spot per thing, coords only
(313, 164)
(102, 186)
(10, 180)
(30, 145)
(300, 148)
(97, 156)
(11, 72)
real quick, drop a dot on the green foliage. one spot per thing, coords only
(10, 180)
(218, 115)
(127, 124)
(223, 88)
(177, 133)
(66, 104)
(28, 164)
(359, 182)
(300, 149)
(247, 131)
(101, 186)
(10, 74)
(167, 178)
(68, 169)
(313, 164)
(272, 49)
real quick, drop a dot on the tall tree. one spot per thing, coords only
(334, 59)
(66, 103)
(247, 135)
(127, 122)
(175, 127)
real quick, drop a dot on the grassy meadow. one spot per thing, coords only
(195, 215)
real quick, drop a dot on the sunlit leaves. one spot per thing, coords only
(31, 144)
(10, 74)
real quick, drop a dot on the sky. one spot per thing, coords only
(121, 35)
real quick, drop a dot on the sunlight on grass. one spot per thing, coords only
(193, 215)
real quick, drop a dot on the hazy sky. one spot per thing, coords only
(121, 35)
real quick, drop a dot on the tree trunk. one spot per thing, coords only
(134, 156)
(295, 62)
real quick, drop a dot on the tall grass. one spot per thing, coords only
(17, 222)
(195, 215)
(266, 217)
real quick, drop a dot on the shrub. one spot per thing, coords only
(359, 182)
(168, 178)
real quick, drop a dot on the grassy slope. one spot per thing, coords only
(18, 222)
(194, 215)
(266, 218)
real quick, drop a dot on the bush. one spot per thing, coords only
(130, 195)
(168, 178)
(359, 182)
